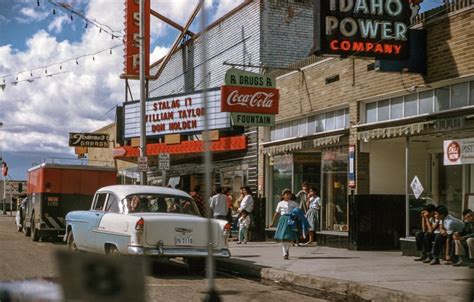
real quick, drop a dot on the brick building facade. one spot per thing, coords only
(397, 122)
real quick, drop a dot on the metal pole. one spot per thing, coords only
(212, 295)
(4, 195)
(407, 196)
(163, 176)
(4, 208)
(143, 180)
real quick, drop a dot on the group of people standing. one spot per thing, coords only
(296, 219)
(224, 207)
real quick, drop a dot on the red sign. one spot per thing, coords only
(249, 99)
(4, 169)
(132, 38)
(453, 152)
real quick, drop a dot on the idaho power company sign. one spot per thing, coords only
(367, 28)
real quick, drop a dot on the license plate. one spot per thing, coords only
(183, 240)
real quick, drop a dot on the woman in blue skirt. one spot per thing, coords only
(283, 232)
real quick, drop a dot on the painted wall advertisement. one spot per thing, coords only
(176, 114)
(458, 152)
(368, 28)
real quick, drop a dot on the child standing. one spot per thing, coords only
(244, 224)
(283, 232)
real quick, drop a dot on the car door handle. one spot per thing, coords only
(97, 214)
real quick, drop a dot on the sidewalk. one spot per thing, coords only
(341, 274)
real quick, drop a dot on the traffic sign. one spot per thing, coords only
(164, 161)
(142, 164)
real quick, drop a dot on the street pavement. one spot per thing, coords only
(340, 273)
(32, 268)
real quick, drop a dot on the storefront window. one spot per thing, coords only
(396, 110)
(282, 176)
(426, 102)
(411, 105)
(384, 110)
(371, 112)
(334, 189)
(442, 98)
(459, 95)
(471, 93)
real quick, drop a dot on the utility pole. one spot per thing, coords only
(143, 96)
(4, 197)
(212, 294)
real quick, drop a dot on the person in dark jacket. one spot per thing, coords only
(464, 241)
(424, 238)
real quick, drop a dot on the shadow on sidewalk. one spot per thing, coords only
(322, 258)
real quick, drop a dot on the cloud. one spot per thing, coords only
(38, 116)
(31, 15)
(158, 53)
(57, 24)
(4, 19)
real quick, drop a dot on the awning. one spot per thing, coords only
(317, 142)
(231, 143)
(395, 131)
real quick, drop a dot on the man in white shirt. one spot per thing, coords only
(218, 204)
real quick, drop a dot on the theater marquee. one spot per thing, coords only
(366, 28)
(176, 114)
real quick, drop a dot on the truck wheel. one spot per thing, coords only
(34, 231)
(196, 265)
(71, 244)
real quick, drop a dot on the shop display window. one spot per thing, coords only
(334, 190)
(282, 176)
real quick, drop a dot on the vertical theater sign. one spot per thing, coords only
(365, 28)
(132, 39)
(251, 98)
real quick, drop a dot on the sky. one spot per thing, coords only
(43, 107)
(39, 106)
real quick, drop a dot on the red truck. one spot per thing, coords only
(54, 190)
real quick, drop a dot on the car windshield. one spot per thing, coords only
(158, 203)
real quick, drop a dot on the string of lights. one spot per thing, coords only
(59, 65)
(71, 11)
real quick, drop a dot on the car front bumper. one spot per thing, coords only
(177, 252)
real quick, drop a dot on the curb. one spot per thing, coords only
(321, 287)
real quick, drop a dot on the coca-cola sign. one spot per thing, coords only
(249, 99)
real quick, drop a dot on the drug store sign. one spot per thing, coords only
(367, 28)
(458, 152)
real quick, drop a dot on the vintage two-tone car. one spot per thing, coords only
(145, 220)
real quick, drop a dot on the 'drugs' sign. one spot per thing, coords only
(367, 28)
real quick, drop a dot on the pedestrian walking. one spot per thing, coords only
(244, 224)
(284, 234)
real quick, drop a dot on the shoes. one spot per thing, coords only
(286, 257)
(238, 242)
(245, 241)
(427, 260)
(434, 262)
(422, 257)
(459, 263)
(449, 262)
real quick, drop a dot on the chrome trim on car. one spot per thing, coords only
(176, 252)
(183, 230)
